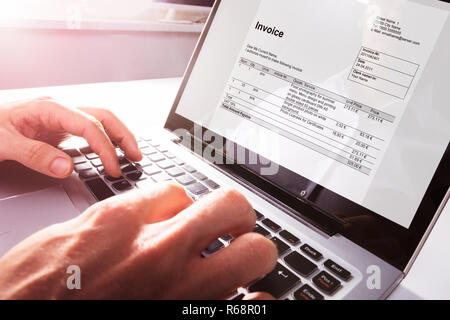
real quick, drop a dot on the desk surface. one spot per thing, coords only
(143, 104)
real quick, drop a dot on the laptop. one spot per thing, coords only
(330, 116)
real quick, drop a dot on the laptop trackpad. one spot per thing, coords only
(23, 215)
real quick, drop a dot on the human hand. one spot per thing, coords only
(30, 132)
(145, 244)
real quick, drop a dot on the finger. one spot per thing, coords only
(164, 201)
(41, 157)
(57, 117)
(158, 203)
(117, 131)
(247, 258)
(25, 101)
(220, 213)
(258, 296)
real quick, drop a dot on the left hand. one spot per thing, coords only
(31, 130)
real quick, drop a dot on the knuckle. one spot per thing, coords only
(35, 152)
(176, 189)
(44, 107)
(37, 104)
(95, 124)
(234, 196)
(46, 103)
(108, 113)
(45, 98)
(118, 207)
(236, 199)
(264, 250)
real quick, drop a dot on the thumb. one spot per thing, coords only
(42, 157)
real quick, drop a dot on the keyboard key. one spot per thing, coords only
(200, 176)
(277, 283)
(151, 170)
(311, 252)
(289, 237)
(197, 189)
(227, 237)
(162, 149)
(214, 247)
(166, 164)
(272, 225)
(170, 155)
(91, 156)
(307, 293)
(129, 168)
(123, 161)
(189, 169)
(86, 150)
(154, 143)
(211, 184)
(112, 179)
(100, 189)
(136, 176)
(186, 180)
(178, 161)
(337, 270)
(82, 167)
(149, 151)
(326, 282)
(145, 162)
(72, 152)
(145, 184)
(142, 145)
(157, 157)
(281, 246)
(161, 177)
(122, 185)
(300, 264)
(101, 170)
(87, 174)
(259, 216)
(175, 172)
(79, 159)
(97, 163)
(261, 230)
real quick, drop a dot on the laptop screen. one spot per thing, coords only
(345, 103)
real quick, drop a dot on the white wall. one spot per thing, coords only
(31, 58)
(57, 9)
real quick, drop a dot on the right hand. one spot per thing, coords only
(145, 244)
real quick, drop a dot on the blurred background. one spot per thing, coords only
(62, 42)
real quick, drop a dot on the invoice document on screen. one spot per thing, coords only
(327, 89)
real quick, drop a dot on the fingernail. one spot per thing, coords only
(60, 167)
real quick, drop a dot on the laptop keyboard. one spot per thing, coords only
(157, 165)
(302, 272)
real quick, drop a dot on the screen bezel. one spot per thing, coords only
(380, 236)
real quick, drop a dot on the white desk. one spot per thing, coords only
(146, 103)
